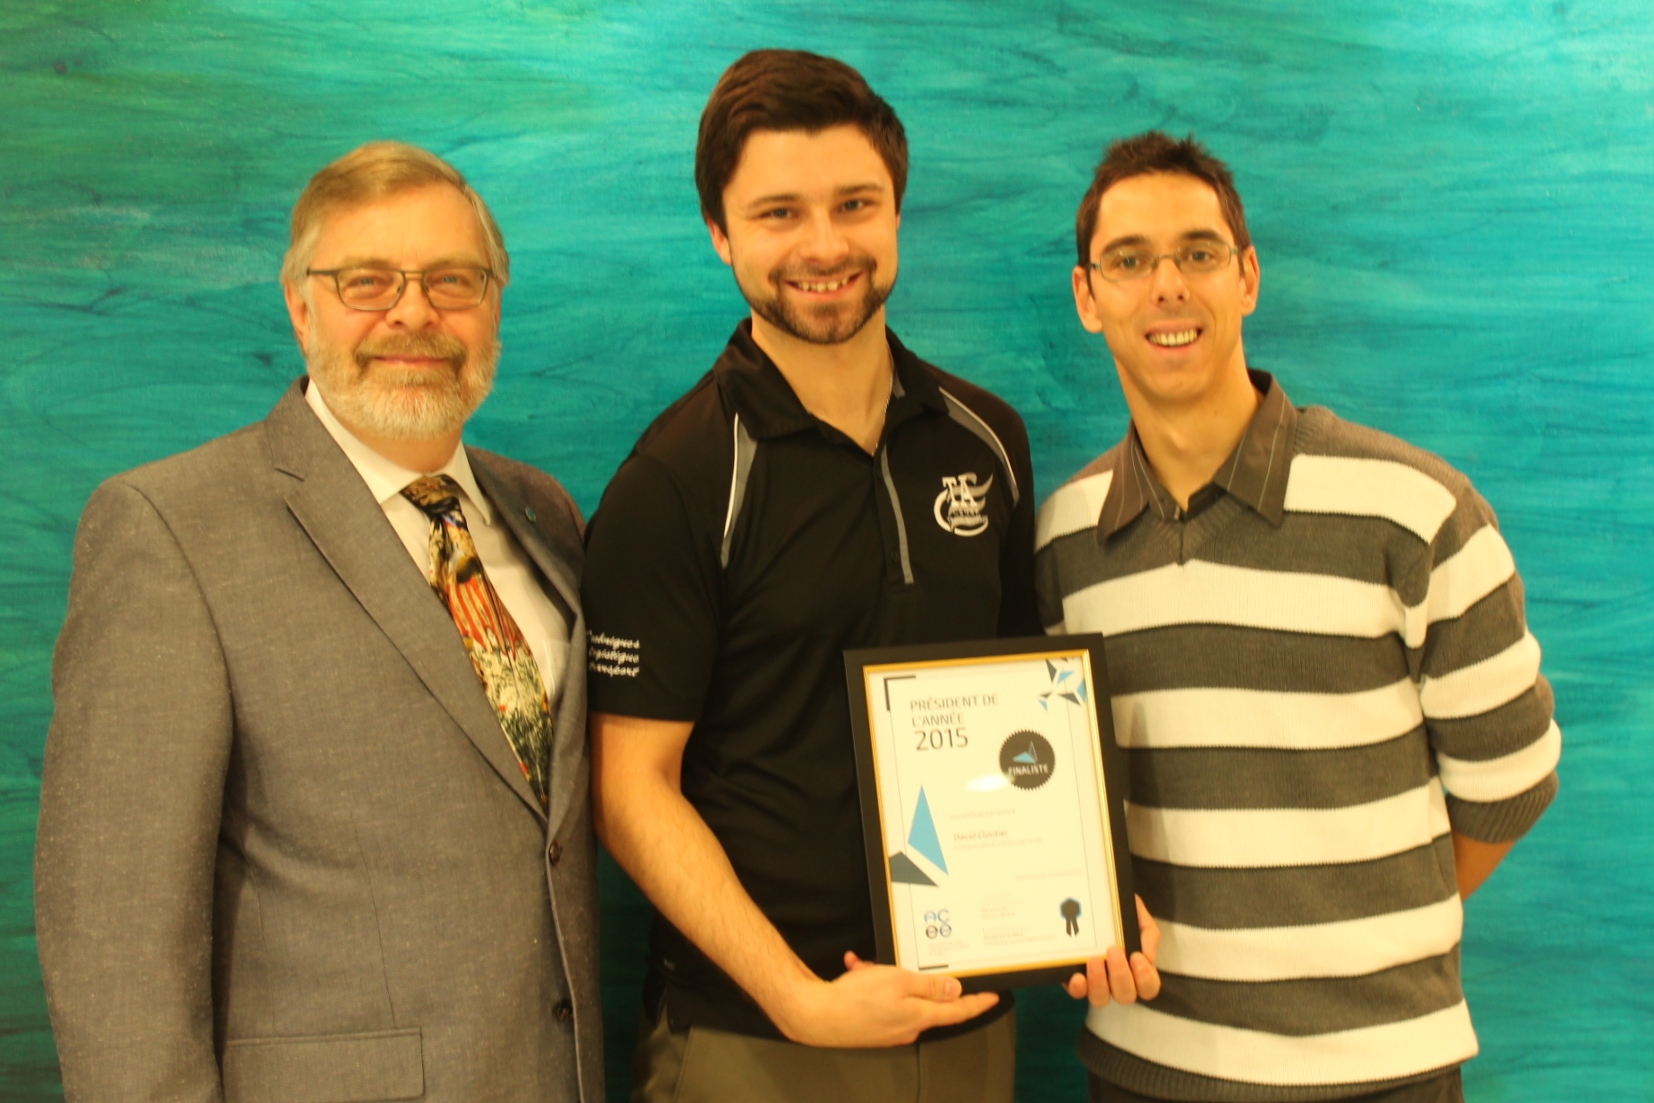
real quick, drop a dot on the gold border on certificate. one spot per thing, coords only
(1030, 877)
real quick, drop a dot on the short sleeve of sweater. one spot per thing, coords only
(1486, 707)
(650, 592)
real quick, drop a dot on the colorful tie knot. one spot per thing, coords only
(437, 495)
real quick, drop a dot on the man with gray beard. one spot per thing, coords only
(319, 695)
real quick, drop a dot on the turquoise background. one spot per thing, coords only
(1453, 202)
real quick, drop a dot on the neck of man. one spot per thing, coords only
(847, 385)
(1187, 441)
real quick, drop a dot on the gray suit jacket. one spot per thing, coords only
(285, 851)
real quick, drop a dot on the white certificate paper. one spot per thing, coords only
(999, 853)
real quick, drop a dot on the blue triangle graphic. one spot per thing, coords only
(922, 836)
(1026, 756)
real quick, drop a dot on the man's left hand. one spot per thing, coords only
(1112, 977)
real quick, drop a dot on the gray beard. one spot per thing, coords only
(404, 405)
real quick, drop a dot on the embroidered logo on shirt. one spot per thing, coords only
(961, 508)
(615, 656)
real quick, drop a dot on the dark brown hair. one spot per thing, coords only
(789, 90)
(1158, 152)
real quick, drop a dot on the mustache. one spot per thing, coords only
(437, 345)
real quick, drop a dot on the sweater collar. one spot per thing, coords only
(1255, 472)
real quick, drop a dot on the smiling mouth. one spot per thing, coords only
(1176, 338)
(827, 286)
(414, 353)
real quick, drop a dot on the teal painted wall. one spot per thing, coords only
(1454, 205)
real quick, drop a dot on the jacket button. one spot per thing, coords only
(554, 852)
(563, 1012)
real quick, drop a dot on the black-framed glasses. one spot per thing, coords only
(1133, 262)
(454, 288)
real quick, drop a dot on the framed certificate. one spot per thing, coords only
(991, 806)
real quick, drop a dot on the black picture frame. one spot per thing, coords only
(1111, 796)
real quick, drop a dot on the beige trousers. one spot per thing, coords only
(714, 1066)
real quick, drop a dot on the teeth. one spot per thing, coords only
(1174, 340)
(824, 286)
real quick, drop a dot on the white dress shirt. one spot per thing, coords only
(509, 568)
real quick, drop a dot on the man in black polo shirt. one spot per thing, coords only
(821, 489)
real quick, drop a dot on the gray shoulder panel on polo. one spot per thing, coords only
(967, 417)
(745, 449)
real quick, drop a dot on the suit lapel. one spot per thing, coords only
(569, 742)
(509, 504)
(349, 528)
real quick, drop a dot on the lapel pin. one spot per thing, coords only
(528, 511)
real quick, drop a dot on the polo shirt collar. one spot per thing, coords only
(766, 401)
(1255, 472)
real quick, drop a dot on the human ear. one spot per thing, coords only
(298, 311)
(720, 241)
(1085, 305)
(1250, 276)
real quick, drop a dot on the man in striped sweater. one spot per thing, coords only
(1330, 703)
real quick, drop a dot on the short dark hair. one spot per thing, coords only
(789, 90)
(1146, 155)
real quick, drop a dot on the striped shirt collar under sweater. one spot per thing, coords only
(1255, 472)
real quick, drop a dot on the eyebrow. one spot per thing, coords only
(1139, 239)
(457, 260)
(793, 197)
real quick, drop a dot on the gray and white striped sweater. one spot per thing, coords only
(1309, 706)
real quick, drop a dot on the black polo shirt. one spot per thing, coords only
(737, 619)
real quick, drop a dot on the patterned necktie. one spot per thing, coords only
(498, 652)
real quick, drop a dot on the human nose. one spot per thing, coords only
(1167, 279)
(413, 310)
(823, 242)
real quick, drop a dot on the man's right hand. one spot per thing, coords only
(875, 1005)
(658, 837)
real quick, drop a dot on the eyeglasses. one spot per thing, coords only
(1133, 262)
(458, 288)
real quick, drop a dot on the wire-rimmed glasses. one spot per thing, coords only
(1133, 262)
(457, 287)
